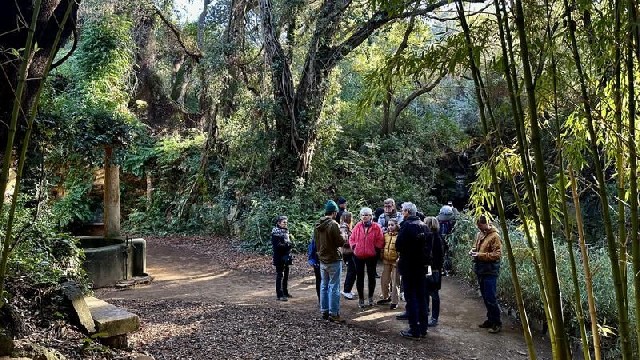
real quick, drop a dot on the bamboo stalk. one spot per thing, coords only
(562, 349)
(33, 111)
(633, 165)
(496, 185)
(585, 265)
(623, 317)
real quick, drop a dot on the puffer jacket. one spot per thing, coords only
(365, 241)
(328, 240)
(489, 248)
(390, 254)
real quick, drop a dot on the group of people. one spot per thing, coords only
(412, 251)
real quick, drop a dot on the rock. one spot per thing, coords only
(111, 320)
(73, 292)
(42, 353)
(6, 343)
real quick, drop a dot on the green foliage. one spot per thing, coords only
(462, 240)
(43, 255)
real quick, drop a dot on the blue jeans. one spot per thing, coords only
(330, 287)
(488, 289)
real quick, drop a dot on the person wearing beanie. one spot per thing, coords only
(328, 243)
(342, 207)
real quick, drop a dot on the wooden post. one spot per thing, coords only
(111, 195)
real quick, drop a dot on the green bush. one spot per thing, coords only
(462, 240)
(42, 256)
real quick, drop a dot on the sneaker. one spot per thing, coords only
(361, 304)
(495, 329)
(288, 295)
(402, 316)
(409, 335)
(393, 306)
(370, 302)
(325, 316)
(433, 322)
(283, 298)
(348, 296)
(383, 301)
(336, 319)
(486, 324)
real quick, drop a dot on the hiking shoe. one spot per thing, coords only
(348, 296)
(370, 302)
(336, 319)
(283, 298)
(361, 304)
(495, 329)
(393, 306)
(486, 324)
(409, 335)
(325, 316)
(383, 301)
(402, 316)
(433, 322)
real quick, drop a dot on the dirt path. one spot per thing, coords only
(195, 299)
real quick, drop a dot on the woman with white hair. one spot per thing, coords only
(366, 240)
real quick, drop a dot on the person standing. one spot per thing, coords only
(434, 282)
(347, 256)
(390, 212)
(366, 240)
(314, 262)
(413, 245)
(342, 207)
(390, 278)
(281, 243)
(486, 255)
(328, 243)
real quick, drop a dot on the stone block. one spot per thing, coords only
(111, 320)
(73, 292)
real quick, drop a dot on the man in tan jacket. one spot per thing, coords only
(486, 255)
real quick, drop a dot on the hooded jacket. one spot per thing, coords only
(365, 241)
(328, 240)
(489, 248)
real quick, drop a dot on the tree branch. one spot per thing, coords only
(73, 48)
(423, 90)
(194, 54)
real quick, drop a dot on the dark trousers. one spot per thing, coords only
(370, 264)
(350, 277)
(488, 289)
(433, 295)
(316, 272)
(282, 279)
(416, 297)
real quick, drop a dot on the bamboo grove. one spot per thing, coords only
(570, 69)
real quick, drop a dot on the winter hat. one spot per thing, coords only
(341, 200)
(330, 207)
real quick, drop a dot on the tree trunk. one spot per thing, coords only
(111, 195)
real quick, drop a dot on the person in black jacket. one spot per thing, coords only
(281, 243)
(414, 246)
(434, 282)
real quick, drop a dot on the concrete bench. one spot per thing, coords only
(112, 323)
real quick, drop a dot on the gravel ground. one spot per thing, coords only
(212, 300)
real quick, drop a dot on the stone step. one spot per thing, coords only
(112, 323)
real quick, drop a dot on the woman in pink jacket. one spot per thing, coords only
(366, 240)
